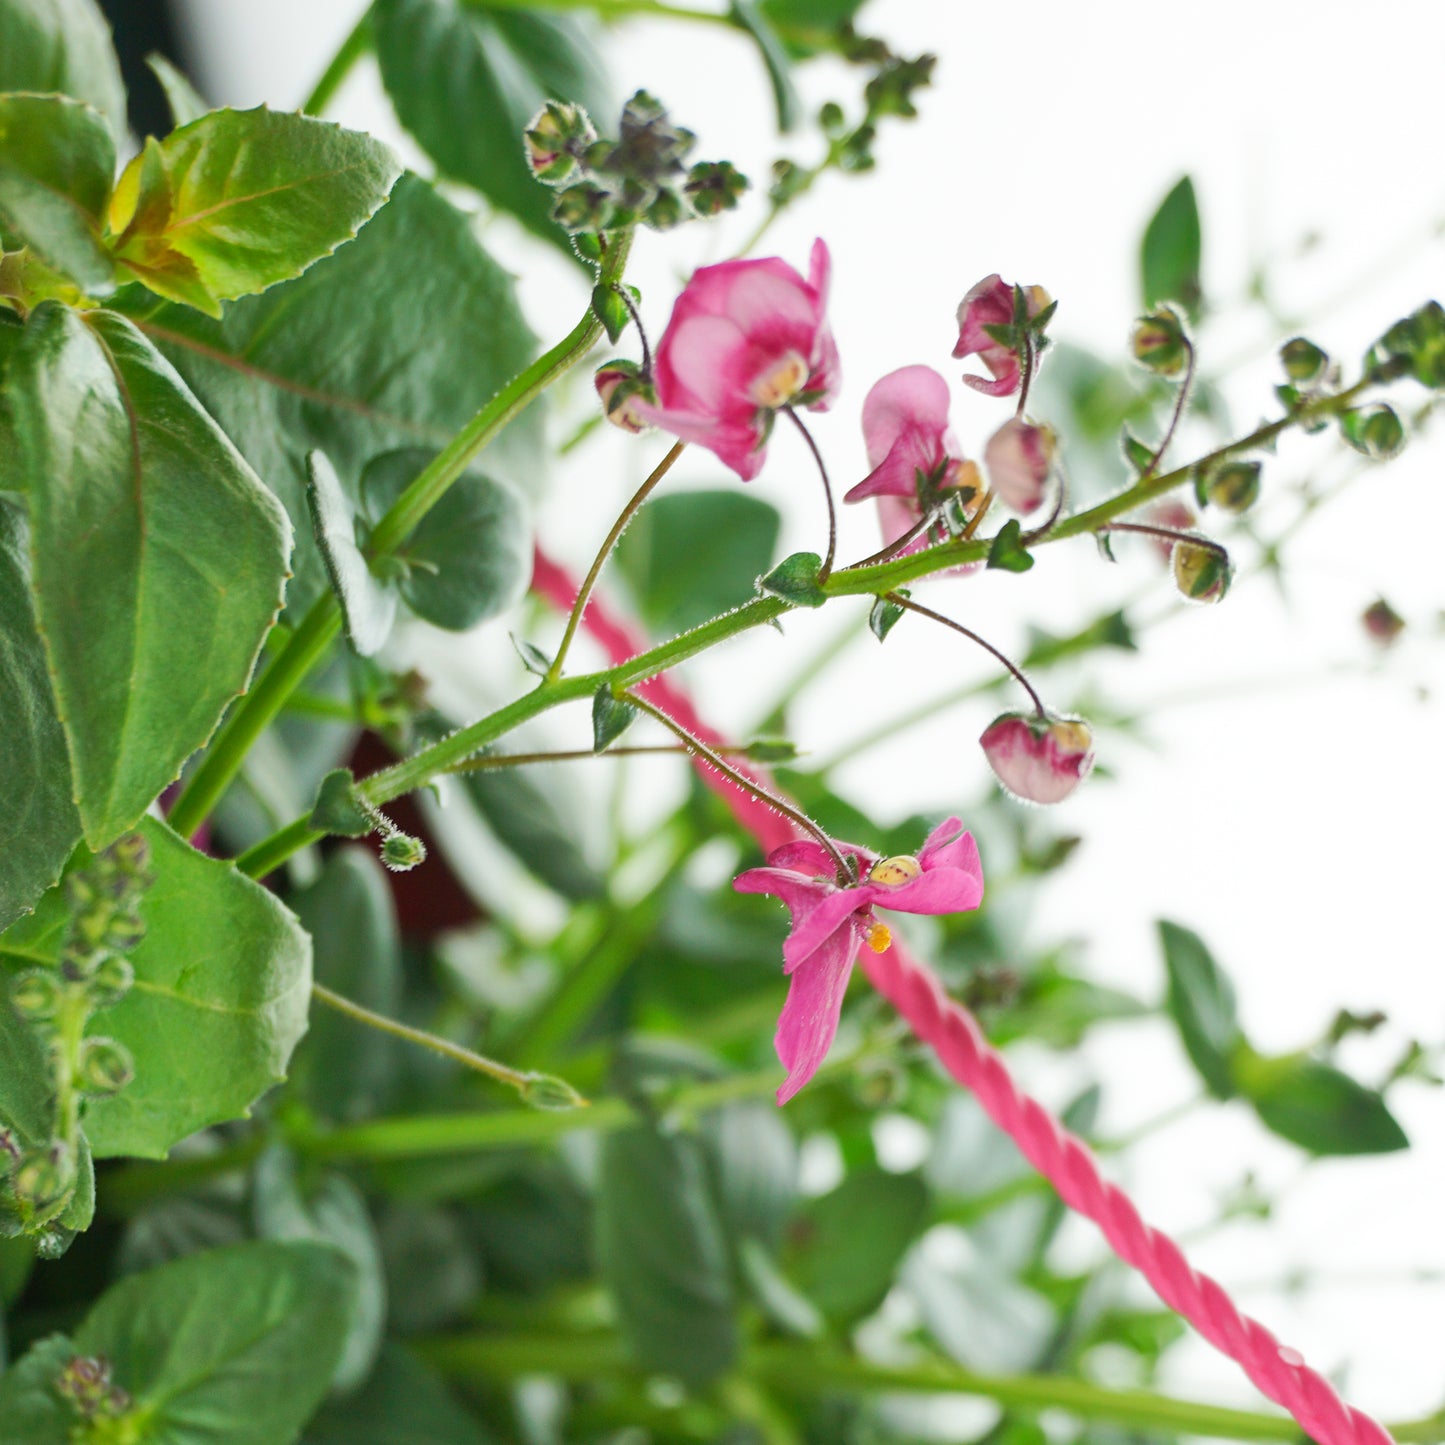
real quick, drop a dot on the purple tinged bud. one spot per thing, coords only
(1160, 342)
(620, 384)
(1382, 623)
(1019, 458)
(557, 134)
(1202, 574)
(1038, 759)
(1233, 486)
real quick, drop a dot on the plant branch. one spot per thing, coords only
(827, 568)
(623, 521)
(356, 44)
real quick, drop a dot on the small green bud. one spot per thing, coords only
(880, 1085)
(559, 132)
(43, 1177)
(714, 187)
(1160, 342)
(665, 211)
(104, 1067)
(771, 750)
(110, 981)
(35, 994)
(583, 207)
(1233, 486)
(1304, 362)
(401, 852)
(1202, 574)
(1375, 431)
(86, 1382)
(831, 119)
(544, 1091)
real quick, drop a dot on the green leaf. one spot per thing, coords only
(57, 160)
(62, 46)
(775, 58)
(883, 616)
(611, 717)
(466, 80)
(238, 200)
(795, 580)
(470, 558)
(186, 105)
(359, 366)
(36, 811)
(328, 1210)
(233, 1347)
(609, 307)
(1169, 255)
(1007, 550)
(690, 555)
(853, 1239)
(1317, 1107)
(756, 1160)
(809, 27)
(340, 807)
(1201, 1003)
(343, 1071)
(157, 558)
(34, 1414)
(402, 1403)
(223, 975)
(663, 1256)
(367, 604)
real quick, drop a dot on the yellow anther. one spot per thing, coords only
(779, 386)
(878, 937)
(893, 871)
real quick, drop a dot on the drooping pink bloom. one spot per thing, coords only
(745, 338)
(1019, 459)
(914, 455)
(1038, 759)
(833, 918)
(991, 303)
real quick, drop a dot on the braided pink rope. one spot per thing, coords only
(1277, 1371)
(1065, 1161)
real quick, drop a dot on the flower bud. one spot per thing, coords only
(583, 207)
(1019, 458)
(1382, 623)
(558, 132)
(1038, 759)
(401, 852)
(43, 1177)
(1202, 574)
(1233, 486)
(1304, 362)
(714, 187)
(1376, 431)
(35, 994)
(546, 1091)
(104, 1067)
(1160, 342)
(992, 325)
(86, 1382)
(619, 385)
(110, 982)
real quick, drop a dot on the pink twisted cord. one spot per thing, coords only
(1277, 1371)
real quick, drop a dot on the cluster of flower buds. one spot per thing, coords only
(1414, 346)
(641, 177)
(1310, 374)
(86, 1383)
(91, 973)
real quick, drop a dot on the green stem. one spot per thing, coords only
(616, 9)
(356, 44)
(1177, 415)
(805, 1369)
(321, 626)
(623, 521)
(512, 1078)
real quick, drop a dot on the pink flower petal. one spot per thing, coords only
(812, 929)
(809, 1021)
(942, 890)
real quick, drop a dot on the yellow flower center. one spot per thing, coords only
(878, 937)
(782, 383)
(893, 871)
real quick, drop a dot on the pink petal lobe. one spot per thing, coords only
(944, 890)
(809, 1021)
(816, 927)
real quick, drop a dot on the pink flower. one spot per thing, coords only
(991, 303)
(832, 918)
(1019, 458)
(1038, 759)
(745, 338)
(914, 456)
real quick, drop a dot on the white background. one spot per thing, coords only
(1294, 818)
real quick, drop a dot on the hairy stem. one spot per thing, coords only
(623, 521)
